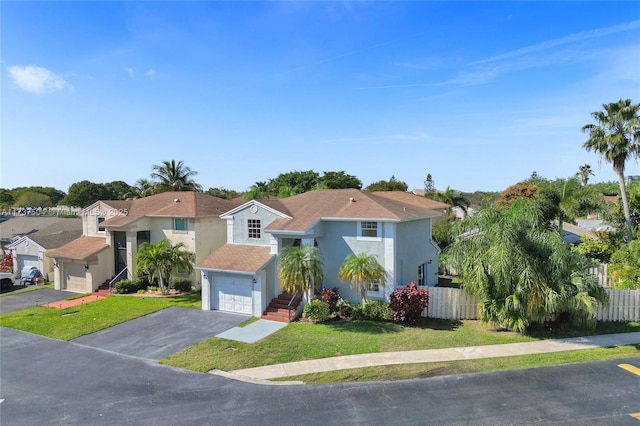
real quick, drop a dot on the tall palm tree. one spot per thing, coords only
(300, 268)
(522, 272)
(451, 197)
(616, 137)
(174, 176)
(584, 173)
(143, 188)
(362, 271)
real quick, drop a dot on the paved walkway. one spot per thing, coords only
(64, 304)
(432, 355)
(253, 332)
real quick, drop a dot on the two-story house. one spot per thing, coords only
(113, 230)
(241, 276)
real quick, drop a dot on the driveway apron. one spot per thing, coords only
(16, 302)
(160, 334)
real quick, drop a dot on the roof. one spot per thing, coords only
(237, 257)
(307, 208)
(49, 241)
(186, 204)
(79, 249)
(18, 226)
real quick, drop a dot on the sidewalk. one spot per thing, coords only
(432, 355)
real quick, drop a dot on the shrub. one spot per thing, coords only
(129, 286)
(377, 310)
(331, 297)
(152, 288)
(6, 264)
(408, 303)
(346, 310)
(141, 291)
(316, 310)
(183, 285)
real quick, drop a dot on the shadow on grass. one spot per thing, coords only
(188, 299)
(381, 327)
(566, 330)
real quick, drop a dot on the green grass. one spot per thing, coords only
(67, 324)
(302, 341)
(78, 296)
(27, 289)
(413, 371)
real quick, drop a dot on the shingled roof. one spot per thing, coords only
(306, 209)
(79, 249)
(237, 257)
(168, 204)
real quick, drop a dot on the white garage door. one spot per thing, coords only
(75, 277)
(26, 260)
(233, 294)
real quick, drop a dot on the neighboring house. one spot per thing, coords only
(14, 227)
(31, 250)
(112, 231)
(241, 276)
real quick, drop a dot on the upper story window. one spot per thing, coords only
(179, 224)
(369, 229)
(101, 228)
(254, 228)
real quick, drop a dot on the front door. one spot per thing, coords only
(120, 251)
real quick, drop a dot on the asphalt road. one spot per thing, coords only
(45, 381)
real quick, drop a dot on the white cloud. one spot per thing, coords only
(37, 79)
(151, 73)
(130, 71)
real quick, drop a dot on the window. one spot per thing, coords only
(181, 269)
(369, 229)
(254, 228)
(179, 224)
(374, 286)
(101, 228)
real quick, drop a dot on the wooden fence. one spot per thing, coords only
(456, 304)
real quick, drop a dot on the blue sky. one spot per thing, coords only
(478, 94)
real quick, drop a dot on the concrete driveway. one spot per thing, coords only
(162, 333)
(15, 302)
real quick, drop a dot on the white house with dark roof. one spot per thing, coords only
(241, 276)
(113, 230)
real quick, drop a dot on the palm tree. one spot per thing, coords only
(300, 268)
(451, 197)
(585, 172)
(157, 260)
(616, 137)
(143, 188)
(522, 272)
(172, 176)
(362, 271)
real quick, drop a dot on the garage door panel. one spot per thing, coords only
(26, 260)
(234, 295)
(75, 277)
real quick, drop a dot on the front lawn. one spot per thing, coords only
(67, 324)
(302, 341)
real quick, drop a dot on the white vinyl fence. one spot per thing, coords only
(600, 272)
(456, 304)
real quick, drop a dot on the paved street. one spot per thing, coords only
(46, 381)
(16, 302)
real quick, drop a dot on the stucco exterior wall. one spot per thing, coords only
(241, 226)
(90, 217)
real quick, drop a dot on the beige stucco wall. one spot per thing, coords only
(90, 217)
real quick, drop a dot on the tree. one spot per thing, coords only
(522, 190)
(339, 180)
(624, 269)
(523, 272)
(142, 188)
(33, 199)
(158, 260)
(566, 199)
(85, 193)
(616, 137)
(117, 190)
(429, 184)
(450, 197)
(392, 184)
(584, 173)
(224, 193)
(301, 269)
(362, 271)
(174, 176)
(257, 191)
(293, 183)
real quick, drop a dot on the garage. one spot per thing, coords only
(27, 260)
(75, 277)
(233, 294)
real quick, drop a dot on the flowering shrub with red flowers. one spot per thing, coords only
(6, 264)
(408, 303)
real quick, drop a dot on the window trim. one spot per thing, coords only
(254, 232)
(378, 229)
(101, 229)
(175, 224)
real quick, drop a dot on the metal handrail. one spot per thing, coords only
(116, 277)
(290, 302)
